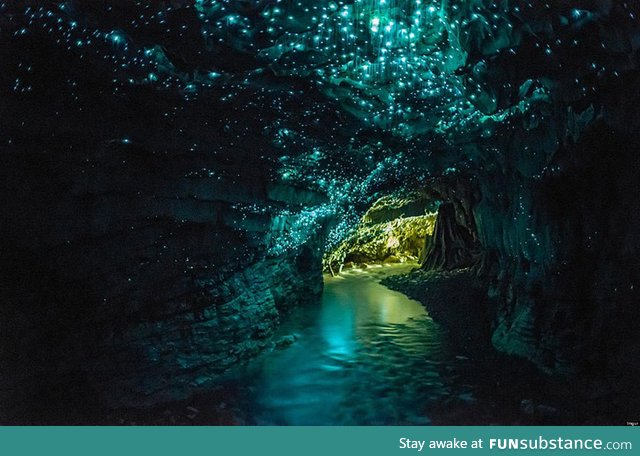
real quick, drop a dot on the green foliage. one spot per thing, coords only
(397, 240)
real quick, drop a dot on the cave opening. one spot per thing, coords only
(397, 228)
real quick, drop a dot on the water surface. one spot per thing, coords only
(364, 355)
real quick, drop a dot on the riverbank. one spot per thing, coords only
(522, 393)
(457, 299)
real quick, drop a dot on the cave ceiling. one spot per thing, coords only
(349, 98)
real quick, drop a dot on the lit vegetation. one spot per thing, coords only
(385, 234)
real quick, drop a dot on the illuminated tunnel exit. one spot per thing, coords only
(395, 229)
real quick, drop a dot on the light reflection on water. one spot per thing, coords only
(364, 355)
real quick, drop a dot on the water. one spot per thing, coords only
(363, 355)
(366, 355)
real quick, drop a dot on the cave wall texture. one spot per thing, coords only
(173, 172)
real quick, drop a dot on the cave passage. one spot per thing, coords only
(366, 355)
(175, 186)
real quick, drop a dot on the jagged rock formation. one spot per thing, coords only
(392, 207)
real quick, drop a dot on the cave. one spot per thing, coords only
(212, 208)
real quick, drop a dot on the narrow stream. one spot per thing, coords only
(366, 355)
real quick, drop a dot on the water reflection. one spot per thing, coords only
(365, 355)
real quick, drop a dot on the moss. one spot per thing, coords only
(398, 240)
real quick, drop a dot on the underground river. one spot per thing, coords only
(365, 355)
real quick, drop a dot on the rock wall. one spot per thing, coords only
(451, 246)
(133, 273)
(552, 193)
(564, 242)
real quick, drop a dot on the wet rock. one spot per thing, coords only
(149, 249)
(286, 341)
(454, 298)
(451, 246)
(184, 288)
(392, 241)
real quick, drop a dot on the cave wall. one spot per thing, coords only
(145, 281)
(564, 288)
(552, 194)
(142, 254)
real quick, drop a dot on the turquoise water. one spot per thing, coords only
(364, 355)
